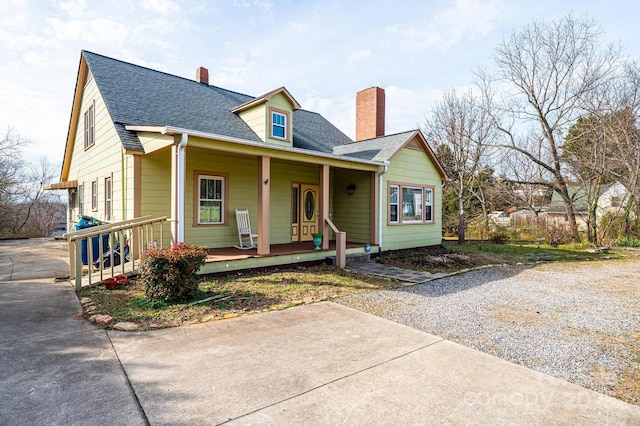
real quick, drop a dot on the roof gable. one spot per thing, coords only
(383, 148)
(266, 98)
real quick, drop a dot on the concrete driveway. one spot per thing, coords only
(315, 364)
(55, 370)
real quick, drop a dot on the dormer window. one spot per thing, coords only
(279, 123)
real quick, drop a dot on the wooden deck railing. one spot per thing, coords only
(134, 236)
(341, 245)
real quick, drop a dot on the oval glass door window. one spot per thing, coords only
(309, 205)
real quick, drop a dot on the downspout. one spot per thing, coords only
(182, 154)
(380, 210)
(123, 187)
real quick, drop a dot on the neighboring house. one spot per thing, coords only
(610, 201)
(500, 218)
(613, 199)
(143, 142)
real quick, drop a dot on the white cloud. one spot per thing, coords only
(76, 9)
(464, 20)
(339, 110)
(299, 27)
(247, 4)
(100, 30)
(161, 7)
(360, 54)
(235, 74)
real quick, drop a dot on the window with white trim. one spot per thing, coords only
(107, 198)
(428, 205)
(278, 125)
(94, 195)
(393, 203)
(89, 127)
(80, 200)
(211, 199)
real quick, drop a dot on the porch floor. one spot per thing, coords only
(231, 253)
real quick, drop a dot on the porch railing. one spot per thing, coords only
(114, 242)
(341, 245)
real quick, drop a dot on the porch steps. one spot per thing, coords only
(351, 258)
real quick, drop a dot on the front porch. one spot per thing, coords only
(228, 259)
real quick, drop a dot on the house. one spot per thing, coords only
(612, 200)
(144, 142)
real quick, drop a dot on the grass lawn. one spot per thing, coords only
(455, 257)
(230, 296)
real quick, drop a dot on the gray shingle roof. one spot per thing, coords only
(379, 149)
(140, 96)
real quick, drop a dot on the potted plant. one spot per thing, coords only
(110, 283)
(317, 240)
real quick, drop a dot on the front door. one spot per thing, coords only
(304, 211)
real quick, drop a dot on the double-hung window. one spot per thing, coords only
(107, 198)
(94, 195)
(278, 125)
(89, 127)
(428, 205)
(393, 203)
(80, 200)
(211, 199)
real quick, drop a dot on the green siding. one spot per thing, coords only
(283, 174)
(412, 166)
(280, 102)
(256, 119)
(259, 119)
(242, 175)
(352, 213)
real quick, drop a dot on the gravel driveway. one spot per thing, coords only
(576, 321)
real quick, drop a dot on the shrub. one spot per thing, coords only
(555, 233)
(169, 274)
(499, 236)
(629, 242)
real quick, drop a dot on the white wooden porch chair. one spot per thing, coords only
(245, 234)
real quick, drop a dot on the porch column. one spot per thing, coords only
(324, 205)
(264, 205)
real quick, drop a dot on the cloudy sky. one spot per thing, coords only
(322, 51)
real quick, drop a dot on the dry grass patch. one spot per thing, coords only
(513, 314)
(231, 296)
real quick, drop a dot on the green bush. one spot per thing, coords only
(629, 242)
(499, 236)
(169, 274)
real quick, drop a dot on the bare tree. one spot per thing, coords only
(25, 208)
(30, 194)
(617, 108)
(544, 73)
(462, 125)
(11, 165)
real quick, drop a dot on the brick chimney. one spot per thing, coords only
(202, 75)
(369, 113)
